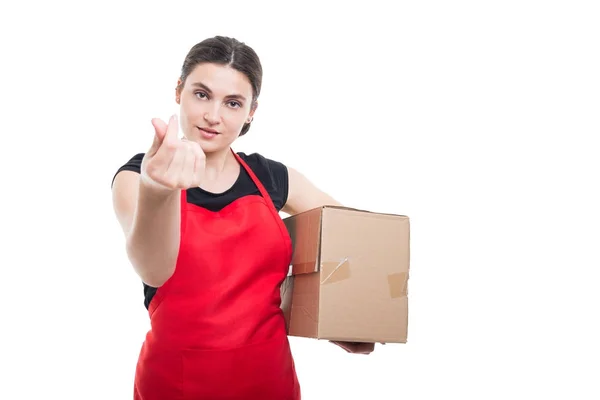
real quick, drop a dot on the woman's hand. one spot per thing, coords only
(171, 163)
(356, 347)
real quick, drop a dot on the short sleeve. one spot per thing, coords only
(273, 175)
(134, 164)
(279, 173)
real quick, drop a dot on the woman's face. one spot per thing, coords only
(215, 103)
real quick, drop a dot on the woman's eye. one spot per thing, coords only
(234, 104)
(200, 95)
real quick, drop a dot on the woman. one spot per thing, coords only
(204, 234)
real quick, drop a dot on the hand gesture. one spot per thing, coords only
(171, 163)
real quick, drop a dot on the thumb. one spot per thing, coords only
(160, 130)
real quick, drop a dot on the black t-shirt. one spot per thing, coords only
(272, 174)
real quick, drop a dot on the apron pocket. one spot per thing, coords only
(259, 371)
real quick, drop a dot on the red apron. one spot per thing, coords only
(217, 329)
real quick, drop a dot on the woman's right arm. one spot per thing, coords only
(150, 222)
(148, 205)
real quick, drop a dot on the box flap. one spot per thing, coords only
(305, 232)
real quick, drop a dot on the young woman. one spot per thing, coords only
(203, 232)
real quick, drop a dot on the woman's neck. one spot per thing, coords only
(218, 163)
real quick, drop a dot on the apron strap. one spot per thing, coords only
(256, 181)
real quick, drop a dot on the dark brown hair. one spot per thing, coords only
(226, 51)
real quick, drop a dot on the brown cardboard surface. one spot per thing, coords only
(350, 275)
(304, 229)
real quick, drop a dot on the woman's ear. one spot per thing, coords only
(252, 111)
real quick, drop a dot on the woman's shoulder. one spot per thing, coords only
(272, 173)
(133, 164)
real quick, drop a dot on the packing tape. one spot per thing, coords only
(398, 284)
(335, 271)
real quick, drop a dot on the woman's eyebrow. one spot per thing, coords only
(207, 89)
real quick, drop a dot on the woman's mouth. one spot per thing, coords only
(208, 133)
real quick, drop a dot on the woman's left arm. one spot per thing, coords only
(303, 195)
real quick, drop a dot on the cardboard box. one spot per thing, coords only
(348, 277)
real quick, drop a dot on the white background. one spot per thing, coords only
(476, 119)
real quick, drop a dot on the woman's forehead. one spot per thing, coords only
(219, 79)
